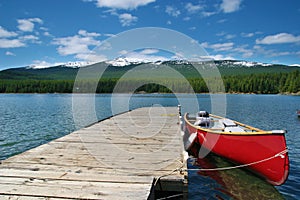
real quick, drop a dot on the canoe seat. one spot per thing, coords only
(234, 129)
(231, 126)
(228, 123)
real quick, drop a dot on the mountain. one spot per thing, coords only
(76, 64)
(124, 74)
(116, 68)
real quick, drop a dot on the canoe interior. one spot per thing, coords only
(223, 125)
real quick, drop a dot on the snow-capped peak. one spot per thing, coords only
(250, 64)
(77, 64)
(43, 64)
(124, 61)
(243, 63)
(134, 58)
(295, 65)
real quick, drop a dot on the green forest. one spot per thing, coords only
(263, 83)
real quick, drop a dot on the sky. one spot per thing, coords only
(48, 32)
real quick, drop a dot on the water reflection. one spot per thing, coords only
(228, 184)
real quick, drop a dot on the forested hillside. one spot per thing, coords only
(237, 79)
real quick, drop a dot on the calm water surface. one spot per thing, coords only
(29, 120)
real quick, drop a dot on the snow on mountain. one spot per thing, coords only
(242, 63)
(121, 62)
(43, 65)
(78, 64)
(295, 65)
(251, 64)
(126, 61)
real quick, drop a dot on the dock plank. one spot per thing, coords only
(117, 158)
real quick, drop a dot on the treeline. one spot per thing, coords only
(36, 86)
(264, 83)
(268, 83)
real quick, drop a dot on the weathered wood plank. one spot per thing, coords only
(71, 189)
(91, 176)
(22, 197)
(112, 159)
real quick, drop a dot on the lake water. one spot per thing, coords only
(29, 120)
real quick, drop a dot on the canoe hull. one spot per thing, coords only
(259, 150)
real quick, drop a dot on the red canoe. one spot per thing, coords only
(263, 152)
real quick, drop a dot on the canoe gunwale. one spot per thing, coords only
(255, 131)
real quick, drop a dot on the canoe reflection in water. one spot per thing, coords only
(226, 184)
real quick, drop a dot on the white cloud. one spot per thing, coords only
(193, 8)
(221, 33)
(230, 48)
(149, 51)
(252, 34)
(44, 28)
(105, 45)
(279, 39)
(273, 53)
(172, 11)
(5, 34)
(86, 34)
(141, 57)
(221, 21)
(186, 19)
(230, 36)
(36, 20)
(228, 6)
(32, 38)
(13, 43)
(247, 34)
(91, 57)
(41, 64)
(27, 25)
(178, 56)
(47, 34)
(127, 19)
(246, 53)
(109, 35)
(110, 11)
(222, 46)
(217, 57)
(198, 9)
(8, 53)
(78, 45)
(218, 46)
(123, 52)
(207, 14)
(123, 4)
(74, 45)
(145, 54)
(225, 35)
(205, 45)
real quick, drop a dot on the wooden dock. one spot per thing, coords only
(133, 155)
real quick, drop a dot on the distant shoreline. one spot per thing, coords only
(145, 93)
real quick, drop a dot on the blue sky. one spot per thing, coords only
(47, 32)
